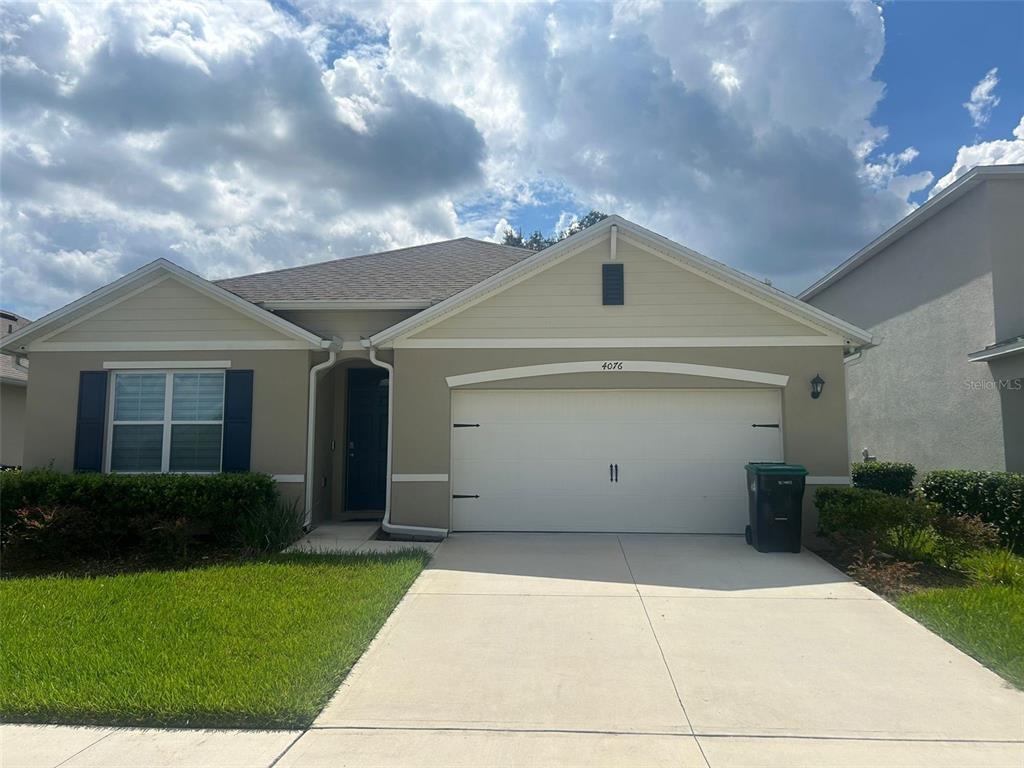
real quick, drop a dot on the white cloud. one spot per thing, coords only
(997, 152)
(983, 98)
(238, 137)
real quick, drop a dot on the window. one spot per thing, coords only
(166, 422)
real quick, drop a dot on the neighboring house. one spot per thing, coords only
(13, 387)
(942, 293)
(616, 381)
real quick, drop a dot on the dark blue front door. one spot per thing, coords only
(367, 439)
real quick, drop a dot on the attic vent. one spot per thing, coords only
(613, 289)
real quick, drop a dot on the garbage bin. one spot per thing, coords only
(775, 491)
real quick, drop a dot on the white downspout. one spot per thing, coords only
(386, 524)
(332, 358)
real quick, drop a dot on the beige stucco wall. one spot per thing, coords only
(280, 380)
(168, 311)
(814, 431)
(662, 300)
(12, 423)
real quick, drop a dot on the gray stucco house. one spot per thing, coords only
(616, 381)
(942, 293)
(13, 389)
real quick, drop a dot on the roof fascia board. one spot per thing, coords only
(911, 221)
(17, 341)
(347, 304)
(748, 287)
(994, 353)
(494, 284)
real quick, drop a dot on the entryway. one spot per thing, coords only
(366, 441)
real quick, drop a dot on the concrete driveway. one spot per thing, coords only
(594, 650)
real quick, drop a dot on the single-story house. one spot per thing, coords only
(13, 388)
(616, 381)
(942, 293)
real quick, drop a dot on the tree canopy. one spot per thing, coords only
(536, 241)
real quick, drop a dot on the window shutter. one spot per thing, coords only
(613, 290)
(92, 412)
(237, 421)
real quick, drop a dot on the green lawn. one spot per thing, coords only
(986, 622)
(262, 643)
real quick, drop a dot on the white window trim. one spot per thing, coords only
(156, 365)
(167, 423)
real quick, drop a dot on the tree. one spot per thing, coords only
(536, 240)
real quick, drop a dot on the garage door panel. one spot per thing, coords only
(540, 459)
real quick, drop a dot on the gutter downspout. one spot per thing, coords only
(386, 524)
(332, 346)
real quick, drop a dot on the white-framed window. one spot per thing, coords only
(165, 421)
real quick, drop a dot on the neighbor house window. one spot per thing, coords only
(167, 422)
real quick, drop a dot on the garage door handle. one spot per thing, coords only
(770, 426)
(616, 473)
(611, 473)
(465, 495)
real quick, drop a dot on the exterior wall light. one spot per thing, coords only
(817, 384)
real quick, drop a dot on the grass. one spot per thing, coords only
(984, 621)
(256, 644)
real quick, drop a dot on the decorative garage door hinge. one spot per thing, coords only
(770, 426)
(465, 425)
(465, 495)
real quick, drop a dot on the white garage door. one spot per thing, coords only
(600, 460)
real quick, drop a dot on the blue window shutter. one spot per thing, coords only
(237, 421)
(613, 290)
(92, 421)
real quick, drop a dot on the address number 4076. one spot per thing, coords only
(615, 365)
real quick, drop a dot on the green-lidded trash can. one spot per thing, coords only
(775, 491)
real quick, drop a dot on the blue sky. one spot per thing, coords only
(233, 138)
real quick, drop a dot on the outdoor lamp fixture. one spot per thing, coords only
(817, 384)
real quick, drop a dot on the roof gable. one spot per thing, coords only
(129, 313)
(617, 229)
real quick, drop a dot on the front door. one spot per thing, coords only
(367, 439)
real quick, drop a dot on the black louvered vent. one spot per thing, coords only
(613, 288)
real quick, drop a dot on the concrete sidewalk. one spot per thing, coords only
(604, 650)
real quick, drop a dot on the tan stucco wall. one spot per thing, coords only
(662, 300)
(814, 431)
(280, 380)
(12, 423)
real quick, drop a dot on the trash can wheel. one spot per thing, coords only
(748, 535)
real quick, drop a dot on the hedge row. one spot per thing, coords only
(51, 514)
(996, 497)
(893, 477)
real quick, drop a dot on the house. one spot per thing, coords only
(616, 381)
(942, 293)
(13, 386)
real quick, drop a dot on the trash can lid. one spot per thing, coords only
(776, 468)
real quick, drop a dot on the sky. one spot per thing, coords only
(778, 138)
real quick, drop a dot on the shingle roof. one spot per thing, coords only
(430, 273)
(8, 369)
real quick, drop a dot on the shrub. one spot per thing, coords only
(859, 513)
(272, 528)
(892, 477)
(995, 567)
(127, 514)
(959, 536)
(996, 497)
(884, 577)
(912, 542)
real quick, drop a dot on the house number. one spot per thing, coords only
(612, 366)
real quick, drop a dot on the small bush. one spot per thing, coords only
(56, 515)
(959, 536)
(916, 543)
(884, 577)
(864, 516)
(997, 567)
(271, 529)
(995, 497)
(892, 477)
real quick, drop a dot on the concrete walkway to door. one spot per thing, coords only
(613, 650)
